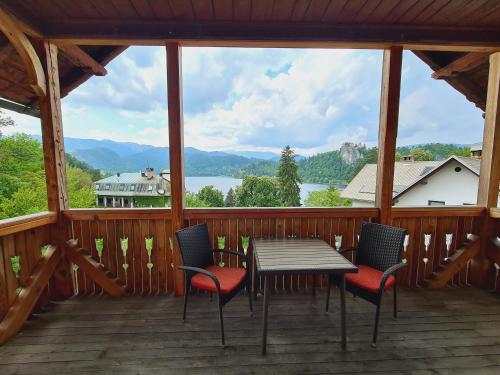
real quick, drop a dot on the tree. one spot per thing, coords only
(5, 121)
(329, 197)
(192, 200)
(212, 196)
(420, 154)
(288, 178)
(258, 192)
(80, 191)
(230, 198)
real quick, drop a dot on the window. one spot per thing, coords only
(121, 187)
(108, 186)
(436, 203)
(150, 188)
(132, 187)
(97, 186)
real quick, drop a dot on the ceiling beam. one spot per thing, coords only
(464, 63)
(80, 58)
(131, 31)
(34, 70)
(19, 108)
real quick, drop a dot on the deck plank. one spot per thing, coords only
(450, 331)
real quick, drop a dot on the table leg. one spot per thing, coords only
(264, 318)
(342, 311)
(254, 278)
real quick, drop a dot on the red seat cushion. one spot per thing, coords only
(368, 278)
(229, 279)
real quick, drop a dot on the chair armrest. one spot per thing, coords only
(245, 257)
(348, 250)
(202, 271)
(390, 271)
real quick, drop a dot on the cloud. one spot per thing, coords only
(263, 99)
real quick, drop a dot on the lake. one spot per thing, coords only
(222, 183)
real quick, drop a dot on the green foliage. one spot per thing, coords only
(230, 200)
(258, 191)
(288, 178)
(420, 154)
(212, 196)
(94, 174)
(192, 200)
(146, 202)
(5, 121)
(329, 167)
(259, 168)
(329, 197)
(22, 178)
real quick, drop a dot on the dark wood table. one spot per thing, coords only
(308, 256)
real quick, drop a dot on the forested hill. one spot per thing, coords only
(337, 165)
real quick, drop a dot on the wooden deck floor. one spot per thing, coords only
(452, 331)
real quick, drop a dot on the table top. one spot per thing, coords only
(291, 255)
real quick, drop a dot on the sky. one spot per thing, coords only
(262, 99)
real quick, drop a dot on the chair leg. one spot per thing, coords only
(395, 303)
(377, 318)
(221, 321)
(186, 293)
(328, 294)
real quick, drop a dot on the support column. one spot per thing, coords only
(388, 131)
(55, 163)
(176, 139)
(52, 131)
(489, 176)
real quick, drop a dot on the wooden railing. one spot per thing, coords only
(21, 242)
(138, 224)
(132, 271)
(437, 221)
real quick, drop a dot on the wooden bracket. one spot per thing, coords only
(95, 271)
(27, 298)
(12, 30)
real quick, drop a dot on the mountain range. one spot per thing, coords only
(112, 157)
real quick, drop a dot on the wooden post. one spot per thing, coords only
(55, 162)
(176, 139)
(388, 130)
(52, 131)
(489, 176)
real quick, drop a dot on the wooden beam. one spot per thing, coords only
(489, 176)
(176, 139)
(96, 272)
(27, 298)
(19, 108)
(34, 70)
(72, 81)
(388, 131)
(465, 63)
(52, 131)
(80, 58)
(114, 31)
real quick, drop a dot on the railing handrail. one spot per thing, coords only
(26, 222)
(398, 212)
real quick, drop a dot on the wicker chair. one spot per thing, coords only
(378, 259)
(201, 272)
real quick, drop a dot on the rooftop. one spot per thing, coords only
(134, 184)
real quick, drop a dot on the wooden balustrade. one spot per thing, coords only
(132, 270)
(234, 223)
(22, 240)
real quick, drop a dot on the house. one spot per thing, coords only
(141, 189)
(453, 181)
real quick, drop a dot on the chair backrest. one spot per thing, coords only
(194, 244)
(380, 245)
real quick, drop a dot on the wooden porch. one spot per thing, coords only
(56, 310)
(454, 330)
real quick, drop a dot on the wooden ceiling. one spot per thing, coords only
(98, 26)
